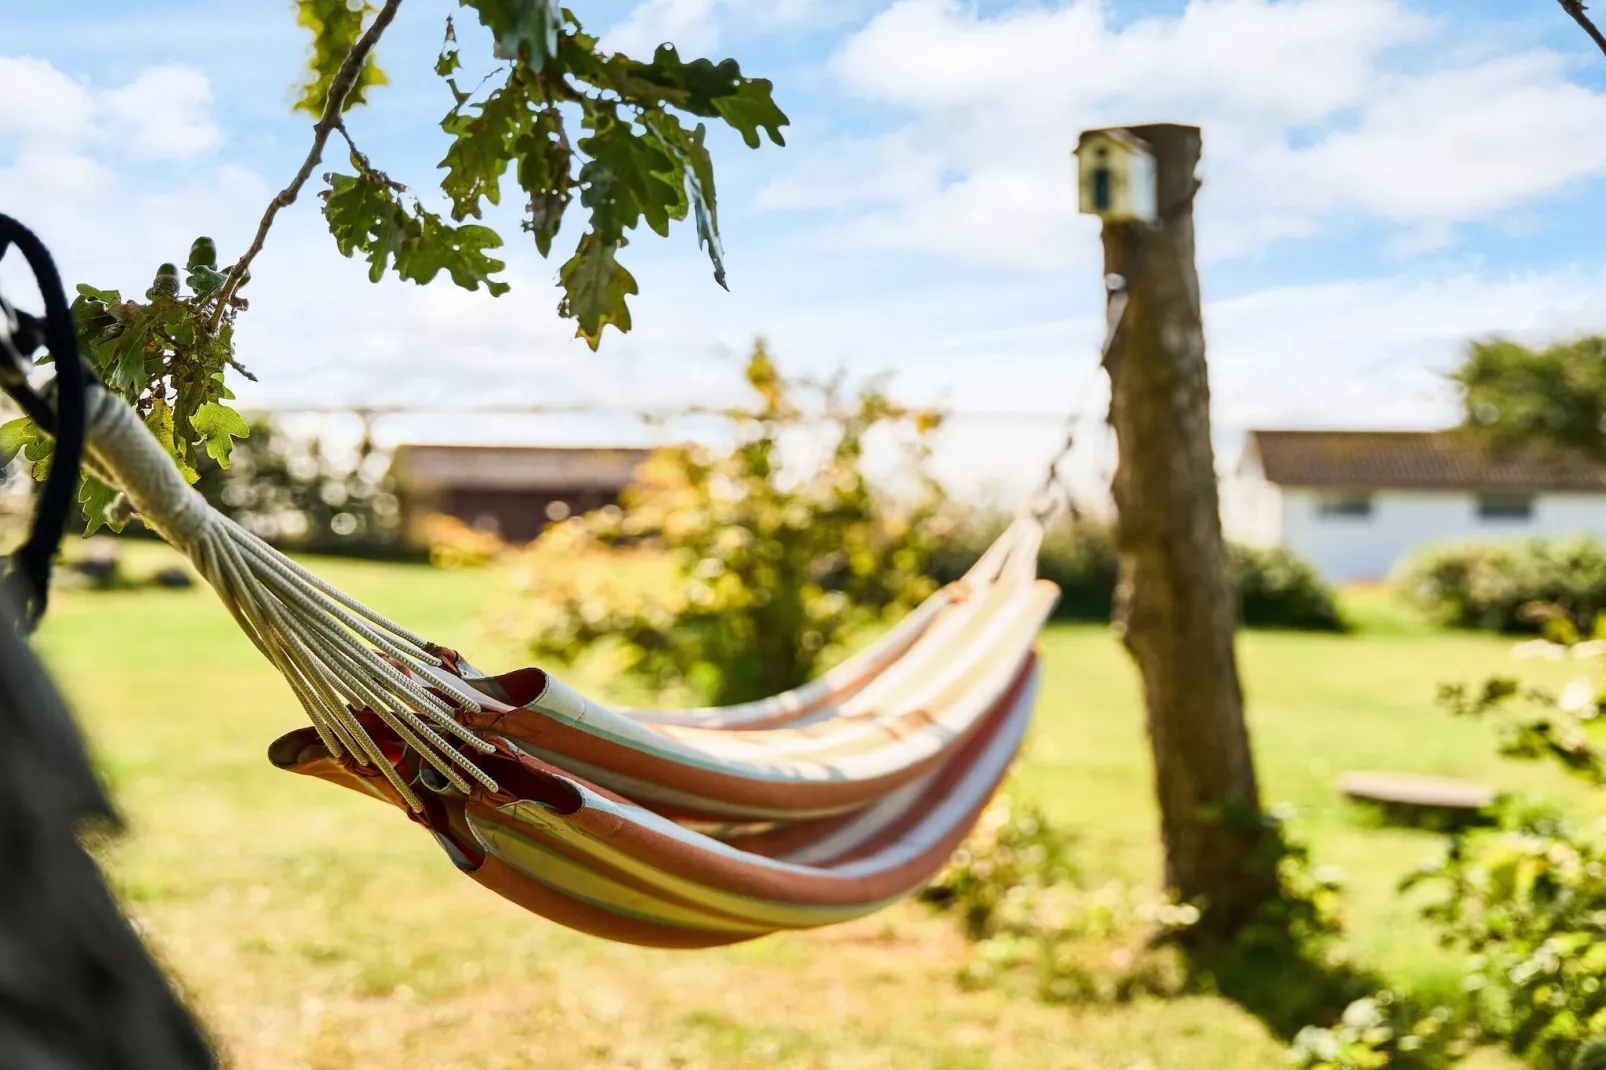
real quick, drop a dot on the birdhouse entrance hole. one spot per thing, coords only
(1101, 187)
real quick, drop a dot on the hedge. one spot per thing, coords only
(1275, 588)
(1486, 585)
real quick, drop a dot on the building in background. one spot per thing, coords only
(513, 491)
(1353, 503)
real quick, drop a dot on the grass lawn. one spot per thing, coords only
(313, 928)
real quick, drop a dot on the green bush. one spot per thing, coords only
(776, 570)
(1013, 888)
(1081, 559)
(1525, 903)
(1275, 588)
(1374, 1032)
(1490, 585)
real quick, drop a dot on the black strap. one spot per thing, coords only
(19, 337)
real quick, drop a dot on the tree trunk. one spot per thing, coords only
(1175, 607)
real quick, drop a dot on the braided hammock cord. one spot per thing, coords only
(338, 655)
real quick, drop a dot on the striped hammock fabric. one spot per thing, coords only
(671, 829)
(706, 827)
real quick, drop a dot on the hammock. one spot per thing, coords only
(664, 828)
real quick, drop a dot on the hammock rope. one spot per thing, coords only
(331, 648)
(20, 334)
(668, 828)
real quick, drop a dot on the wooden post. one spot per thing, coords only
(1175, 606)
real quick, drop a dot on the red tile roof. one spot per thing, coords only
(1425, 460)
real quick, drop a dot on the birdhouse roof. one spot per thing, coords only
(1114, 135)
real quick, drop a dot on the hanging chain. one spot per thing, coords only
(1044, 501)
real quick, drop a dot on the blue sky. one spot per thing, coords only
(1384, 181)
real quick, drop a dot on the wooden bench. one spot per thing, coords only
(1419, 799)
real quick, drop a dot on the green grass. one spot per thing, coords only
(314, 928)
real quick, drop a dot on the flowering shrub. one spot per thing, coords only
(1013, 888)
(1526, 902)
(773, 570)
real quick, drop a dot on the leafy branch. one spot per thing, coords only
(163, 356)
(1580, 15)
(167, 355)
(336, 26)
(1535, 724)
(341, 84)
(1530, 724)
(636, 163)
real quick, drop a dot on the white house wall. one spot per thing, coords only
(1252, 510)
(1347, 549)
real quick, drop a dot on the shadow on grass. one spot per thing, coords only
(1287, 966)
(1291, 981)
(1286, 985)
(1416, 817)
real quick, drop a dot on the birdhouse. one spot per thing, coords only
(1115, 176)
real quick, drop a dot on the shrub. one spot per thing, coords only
(1080, 558)
(1373, 1033)
(1526, 903)
(1528, 906)
(1013, 890)
(774, 570)
(292, 492)
(1012, 852)
(1490, 585)
(1275, 588)
(453, 544)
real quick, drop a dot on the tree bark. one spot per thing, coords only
(1175, 607)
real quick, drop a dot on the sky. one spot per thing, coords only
(1384, 182)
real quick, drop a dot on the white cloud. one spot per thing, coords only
(996, 216)
(104, 229)
(1372, 352)
(858, 171)
(42, 102)
(689, 24)
(49, 174)
(699, 27)
(1457, 144)
(1296, 61)
(1314, 112)
(163, 114)
(65, 152)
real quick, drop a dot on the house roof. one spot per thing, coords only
(535, 468)
(1119, 135)
(1421, 460)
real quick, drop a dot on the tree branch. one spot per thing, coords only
(328, 122)
(360, 160)
(1576, 9)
